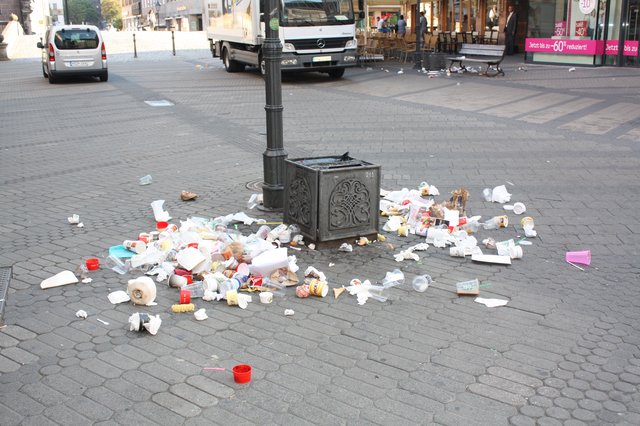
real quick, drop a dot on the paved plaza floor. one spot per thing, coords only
(563, 351)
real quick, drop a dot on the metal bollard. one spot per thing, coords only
(173, 42)
(135, 51)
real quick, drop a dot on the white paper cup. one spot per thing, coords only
(456, 252)
(266, 297)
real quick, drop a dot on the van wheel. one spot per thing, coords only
(104, 77)
(336, 73)
(52, 79)
(229, 64)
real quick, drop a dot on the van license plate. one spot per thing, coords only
(322, 59)
(79, 64)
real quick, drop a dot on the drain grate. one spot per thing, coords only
(255, 185)
(5, 276)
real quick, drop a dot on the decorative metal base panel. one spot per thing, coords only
(332, 200)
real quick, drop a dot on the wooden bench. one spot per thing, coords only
(488, 54)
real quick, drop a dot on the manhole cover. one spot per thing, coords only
(255, 185)
(160, 103)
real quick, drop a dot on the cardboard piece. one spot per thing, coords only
(62, 278)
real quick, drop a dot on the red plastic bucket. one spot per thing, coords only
(242, 373)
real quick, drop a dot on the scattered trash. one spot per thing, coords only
(142, 290)
(118, 296)
(528, 224)
(421, 283)
(158, 212)
(102, 321)
(200, 314)
(254, 201)
(179, 308)
(302, 291)
(288, 312)
(266, 297)
(366, 290)
(236, 299)
(188, 196)
(81, 225)
(87, 280)
(60, 279)
(146, 180)
(74, 219)
(92, 263)
(580, 257)
(465, 288)
(401, 71)
(241, 373)
(491, 303)
(338, 291)
(142, 321)
(346, 247)
(81, 314)
(489, 258)
(500, 195)
(572, 69)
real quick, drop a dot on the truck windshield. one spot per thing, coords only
(299, 13)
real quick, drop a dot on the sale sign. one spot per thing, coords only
(630, 47)
(581, 28)
(567, 47)
(587, 6)
(560, 28)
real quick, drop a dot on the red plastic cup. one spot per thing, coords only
(189, 278)
(194, 245)
(185, 297)
(93, 263)
(242, 373)
(180, 271)
(161, 226)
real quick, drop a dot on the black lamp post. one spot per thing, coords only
(419, 37)
(157, 15)
(273, 158)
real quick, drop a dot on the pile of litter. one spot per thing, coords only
(446, 224)
(210, 260)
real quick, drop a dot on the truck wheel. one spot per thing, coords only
(229, 64)
(336, 73)
(104, 77)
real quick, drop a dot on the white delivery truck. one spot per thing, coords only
(316, 35)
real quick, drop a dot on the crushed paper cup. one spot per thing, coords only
(188, 196)
(200, 314)
(74, 219)
(81, 314)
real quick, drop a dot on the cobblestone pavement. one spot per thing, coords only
(565, 350)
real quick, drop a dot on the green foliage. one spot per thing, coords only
(83, 11)
(111, 10)
(117, 23)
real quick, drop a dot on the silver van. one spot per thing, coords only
(73, 50)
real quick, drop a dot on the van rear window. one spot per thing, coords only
(70, 39)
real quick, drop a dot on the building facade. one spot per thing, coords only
(177, 15)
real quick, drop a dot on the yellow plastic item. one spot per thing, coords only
(189, 307)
